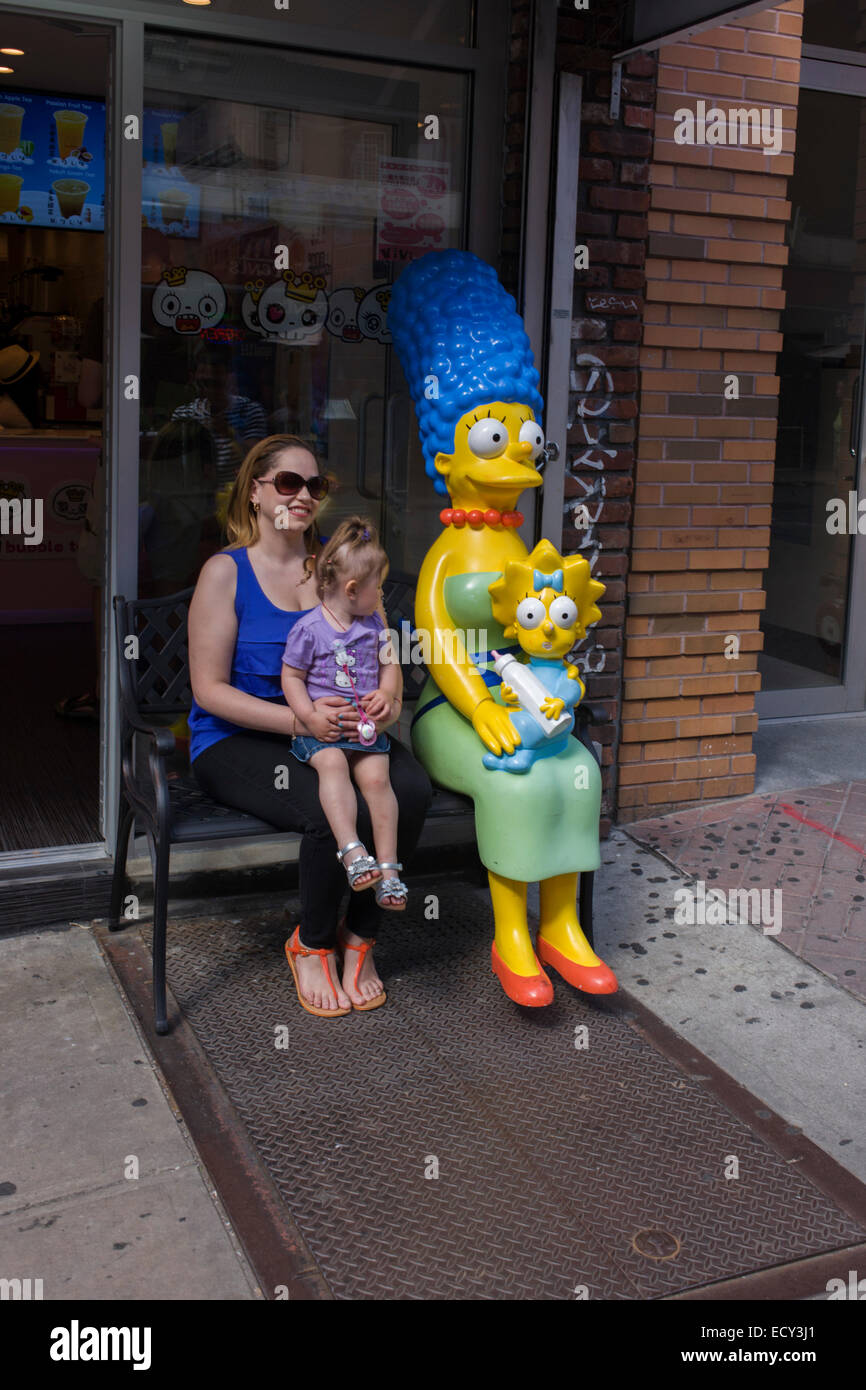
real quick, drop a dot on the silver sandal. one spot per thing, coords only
(364, 864)
(391, 888)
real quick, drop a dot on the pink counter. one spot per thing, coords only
(42, 583)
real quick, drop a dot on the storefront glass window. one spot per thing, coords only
(52, 526)
(274, 220)
(436, 21)
(840, 24)
(807, 614)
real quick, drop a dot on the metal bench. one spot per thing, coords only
(172, 809)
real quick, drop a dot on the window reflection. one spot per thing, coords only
(273, 225)
(436, 21)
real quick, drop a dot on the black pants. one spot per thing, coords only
(241, 771)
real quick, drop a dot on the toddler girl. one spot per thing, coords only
(337, 649)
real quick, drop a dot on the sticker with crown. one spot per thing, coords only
(292, 310)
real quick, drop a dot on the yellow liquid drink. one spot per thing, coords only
(10, 126)
(169, 142)
(70, 131)
(173, 203)
(70, 195)
(10, 192)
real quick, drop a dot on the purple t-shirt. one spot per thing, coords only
(314, 646)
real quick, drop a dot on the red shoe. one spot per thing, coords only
(533, 991)
(592, 979)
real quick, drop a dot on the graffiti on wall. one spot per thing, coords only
(593, 382)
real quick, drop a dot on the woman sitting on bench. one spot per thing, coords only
(246, 600)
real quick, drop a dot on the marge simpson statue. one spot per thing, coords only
(469, 367)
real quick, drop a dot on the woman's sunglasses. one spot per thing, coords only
(287, 484)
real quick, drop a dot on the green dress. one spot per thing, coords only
(532, 825)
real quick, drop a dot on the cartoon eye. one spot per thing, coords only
(308, 318)
(530, 611)
(338, 318)
(531, 433)
(207, 306)
(488, 439)
(171, 304)
(563, 611)
(373, 323)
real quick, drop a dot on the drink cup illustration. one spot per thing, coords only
(173, 203)
(70, 195)
(70, 131)
(10, 126)
(169, 142)
(10, 192)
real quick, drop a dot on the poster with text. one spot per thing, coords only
(52, 161)
(415, 209)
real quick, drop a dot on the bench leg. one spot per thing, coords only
(160, 911)
(125, 819)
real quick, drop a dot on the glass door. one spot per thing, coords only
(281, 194)
(814, 622)
(54, 159)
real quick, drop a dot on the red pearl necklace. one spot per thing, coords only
(456, 516)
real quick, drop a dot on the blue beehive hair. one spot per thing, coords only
(457, 333)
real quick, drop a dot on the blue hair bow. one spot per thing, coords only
(547, 581)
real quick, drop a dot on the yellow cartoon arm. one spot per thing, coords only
(450, 667)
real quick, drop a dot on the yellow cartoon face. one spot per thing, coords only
(546, 601)
(546, 624)
(495, 450)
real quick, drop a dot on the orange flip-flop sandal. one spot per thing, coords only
(294, 948)
(362, 951)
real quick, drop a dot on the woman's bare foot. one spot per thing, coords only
(369, 983)
(318, 988)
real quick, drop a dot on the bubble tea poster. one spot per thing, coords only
(170, 203)
(52, 161)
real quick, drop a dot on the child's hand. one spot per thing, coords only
(377, 704)
(509, 697)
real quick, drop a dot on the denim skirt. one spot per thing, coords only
(304, 746)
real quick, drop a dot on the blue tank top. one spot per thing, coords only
(258, 655)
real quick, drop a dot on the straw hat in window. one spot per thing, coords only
(15, 363)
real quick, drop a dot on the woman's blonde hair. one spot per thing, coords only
(242, 523)
(353, 552)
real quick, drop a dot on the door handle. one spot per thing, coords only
(361, 456)
(854, 432)
(549, 454)
(393, 399)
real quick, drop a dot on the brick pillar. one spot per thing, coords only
(705, 464)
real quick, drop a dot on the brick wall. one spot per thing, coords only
(613, 207)
(703, 485)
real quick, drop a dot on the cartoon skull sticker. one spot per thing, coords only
(373, 314)
(188, 300)
(343, 314)
(293, 310)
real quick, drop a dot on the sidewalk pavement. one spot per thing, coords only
(81, 1111)
(81, 1095)
(810, 844)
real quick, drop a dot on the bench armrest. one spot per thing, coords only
(162, 738)
(590, 714)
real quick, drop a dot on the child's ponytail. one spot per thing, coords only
(352, 552)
